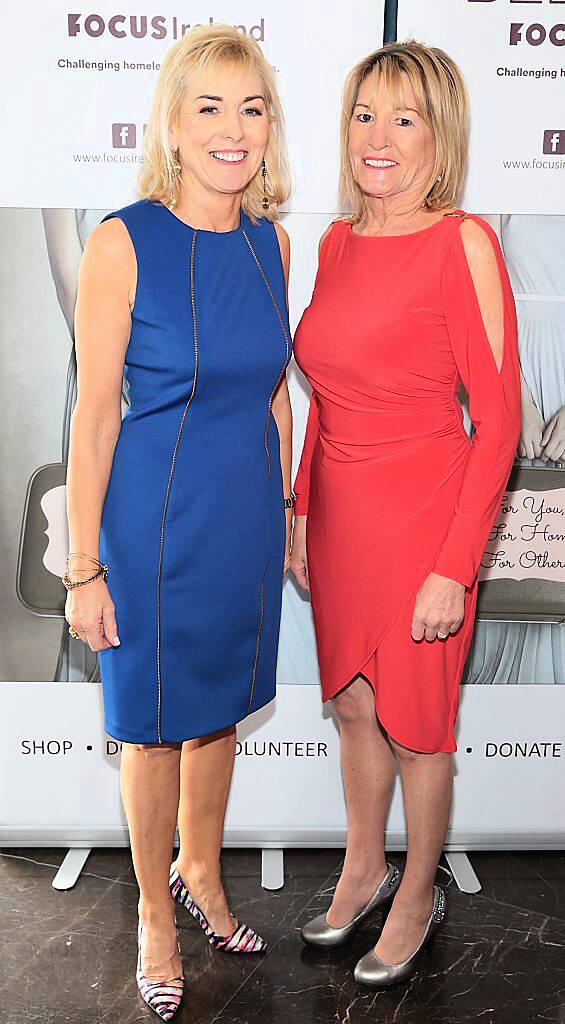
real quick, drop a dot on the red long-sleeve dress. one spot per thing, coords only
(392, 485)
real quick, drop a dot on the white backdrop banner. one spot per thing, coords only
(287, 787)
(86, 80)
(511, 53)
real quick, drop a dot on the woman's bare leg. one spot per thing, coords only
(206, 772)
(427, 784)
(149, 782)
(368, 768)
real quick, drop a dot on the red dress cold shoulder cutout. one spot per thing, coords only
(391, 483)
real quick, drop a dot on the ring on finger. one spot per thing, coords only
(74, 634)
(442, 636)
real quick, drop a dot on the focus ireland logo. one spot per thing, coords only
(140, 26)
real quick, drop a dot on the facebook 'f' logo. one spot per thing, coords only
(123, 136)
(554, 141)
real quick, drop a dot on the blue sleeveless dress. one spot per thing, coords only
(193, 525)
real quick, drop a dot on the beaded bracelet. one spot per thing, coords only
(70, 584)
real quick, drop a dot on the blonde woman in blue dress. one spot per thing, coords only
(189, 497)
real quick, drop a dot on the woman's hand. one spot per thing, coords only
(298, 557)
(439, 607)
(553, 440)
(90, 611)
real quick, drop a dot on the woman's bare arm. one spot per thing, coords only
(283, 416)
(106, 289)
(281, 407)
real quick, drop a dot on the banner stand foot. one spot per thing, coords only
(463, 872)
(71, 867)
(272, 869)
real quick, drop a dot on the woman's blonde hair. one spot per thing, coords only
(202, 48)
(441, 99)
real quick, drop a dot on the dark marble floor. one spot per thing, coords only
(68, 957)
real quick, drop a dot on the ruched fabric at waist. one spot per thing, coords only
(369, 434)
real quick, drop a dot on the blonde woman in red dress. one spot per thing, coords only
(394, 502)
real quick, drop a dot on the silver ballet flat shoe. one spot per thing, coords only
(376, 973)
(319, 933)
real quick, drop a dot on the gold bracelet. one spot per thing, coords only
(79, 554)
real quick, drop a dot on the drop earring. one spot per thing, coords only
(426, 201)
(174, 175)
(265, 203)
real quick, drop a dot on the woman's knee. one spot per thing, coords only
(155, 750)
(405, 754)
(409, 756)
(355, 704)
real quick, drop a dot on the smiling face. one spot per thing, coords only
(222, 129)
(391, 152)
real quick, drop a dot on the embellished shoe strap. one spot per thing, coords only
(394, 876)
(439, 905)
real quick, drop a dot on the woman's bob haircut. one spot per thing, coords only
(441, 100)
(202, 49)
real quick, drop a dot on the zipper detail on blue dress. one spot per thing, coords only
(170, 482)
(258, 641)
(286, 342)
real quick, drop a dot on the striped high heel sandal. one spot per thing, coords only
(163, 997)
(241, 940)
